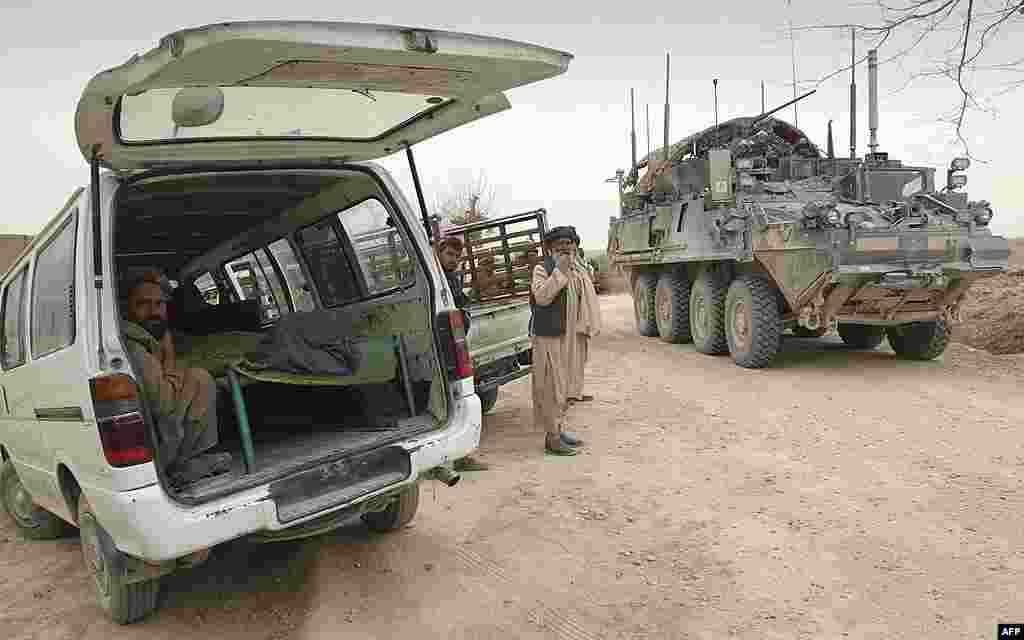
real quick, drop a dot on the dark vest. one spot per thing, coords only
(550, 320)
(455, 282)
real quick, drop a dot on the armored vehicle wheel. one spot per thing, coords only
(398, 514)
(672, 306)
(752, 323)
(919, 340)
(643, 304)
(707, 314)
(861, 336)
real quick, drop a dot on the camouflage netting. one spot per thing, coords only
(771, 133)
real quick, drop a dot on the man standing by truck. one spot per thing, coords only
(449, 252)
(588, 325)
(554, 298)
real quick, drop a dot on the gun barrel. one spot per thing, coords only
(781, 107)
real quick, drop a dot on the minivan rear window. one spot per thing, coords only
(291, 112)
(13, 348)
(53, 293)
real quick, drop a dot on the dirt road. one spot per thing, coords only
(838, 494)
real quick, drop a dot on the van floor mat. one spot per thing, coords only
(202, 466)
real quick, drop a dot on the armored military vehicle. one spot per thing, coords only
(746, 230)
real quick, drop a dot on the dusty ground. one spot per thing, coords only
(993, 312)
(838, 494)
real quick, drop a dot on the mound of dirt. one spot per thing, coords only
(993, 312)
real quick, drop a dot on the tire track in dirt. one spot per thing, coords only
(561, 624)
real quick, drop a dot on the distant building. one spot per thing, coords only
(10, 247)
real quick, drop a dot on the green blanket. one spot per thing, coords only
(378, 365)
(219, 352)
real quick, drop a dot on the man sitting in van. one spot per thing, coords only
(183, 401)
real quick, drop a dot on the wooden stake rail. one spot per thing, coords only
(493, 260)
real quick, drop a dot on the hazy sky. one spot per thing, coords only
(562, 137)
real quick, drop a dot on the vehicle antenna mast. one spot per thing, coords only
(667, 63)
(632, 133)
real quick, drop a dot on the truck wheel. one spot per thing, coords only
(488, 399)
(752, 323)
(124, 603)
(919, 340)
(643, 304)
(398, 514)
(672, 303)
(31, 520)
(707, 314)
(861, 336)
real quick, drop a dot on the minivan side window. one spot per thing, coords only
(328, 263)
(207, 288)
(251, 283)
(382, 255)
(282, 253)
(12, 349)
(53, 292)
(272, 280)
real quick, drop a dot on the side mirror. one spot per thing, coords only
(197, 106)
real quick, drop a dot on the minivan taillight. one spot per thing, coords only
(120, 422)
(452, 327)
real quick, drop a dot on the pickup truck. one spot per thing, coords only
(499, 257)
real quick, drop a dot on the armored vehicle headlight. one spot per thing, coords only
(960, 164)
(958, 180)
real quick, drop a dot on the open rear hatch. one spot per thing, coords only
(288, 91)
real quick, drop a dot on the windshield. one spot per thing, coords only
(351, 114)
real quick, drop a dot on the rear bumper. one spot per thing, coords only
(147, 524)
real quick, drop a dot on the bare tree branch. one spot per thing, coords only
(960, 61)
(468, 202)
(960, 78)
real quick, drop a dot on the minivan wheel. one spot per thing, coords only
(32, 521)
(398, 514)
(124, 603)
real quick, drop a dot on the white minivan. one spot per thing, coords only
(247, 145)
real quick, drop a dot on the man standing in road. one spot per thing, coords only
(553, 311)
(588, 325)
(449, 253)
